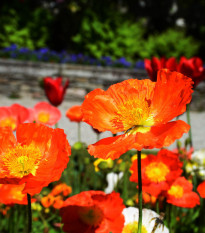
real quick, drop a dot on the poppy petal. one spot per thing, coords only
(169, 101)
(112, 147)
(161, 136)
(201, 189)
(99, 110)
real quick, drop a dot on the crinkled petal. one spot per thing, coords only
(112, 147)
(161, 136)
(172, 93)
(98, 110)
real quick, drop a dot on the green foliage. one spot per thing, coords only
(32, 34)
(119, 38)
(115, 38)
(169, 43)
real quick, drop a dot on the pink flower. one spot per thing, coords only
(44, 113)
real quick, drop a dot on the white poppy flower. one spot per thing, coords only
(149, 221)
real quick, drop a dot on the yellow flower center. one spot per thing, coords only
(176, 190)
(22, 160)
(133, 227)
(157, 172)
(43, 117)
(91, 216)
(9, 121)
(134, 114)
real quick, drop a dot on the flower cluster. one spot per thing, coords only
(161, 177)
(47, 55)
(56, 197)
(139, 114)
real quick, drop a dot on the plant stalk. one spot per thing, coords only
(139, 191)
(29, 214)
(79, 132)
(189, 122)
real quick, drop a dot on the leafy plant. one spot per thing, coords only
(110, 38)
(32, 34)
(169, 43)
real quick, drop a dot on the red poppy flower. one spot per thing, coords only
(13, 116)
(201, 189)
(74, 113)
(192, 68)
(93, 212)
(152, 66)
(140, 108)
(44, 113)
(54, 90)
(12, 194)
(157, 171)
(37, 157)
(180, 194)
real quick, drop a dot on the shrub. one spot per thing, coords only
(32, 34)
(115, 38)
(169, 43)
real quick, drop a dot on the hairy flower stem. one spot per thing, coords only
(139, 191)
(189, 122)
(79, 133)
(29, 214)
(157, 205)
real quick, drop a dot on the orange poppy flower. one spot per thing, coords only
(58, 202)
(12, 194)
(147, 199)
(47, 201)
(37, 157)
(201, 189)
(157, 171)
(93, 212)
(140, 108)
(44, 113)
(74, 113)
(50, 200)
(62, 188)
(180, 194)
(13, 116)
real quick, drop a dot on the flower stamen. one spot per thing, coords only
(22, 160)
(157, 172)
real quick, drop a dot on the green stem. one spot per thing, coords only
(139, 191)
(29, 213)
(98, 136)
(157, 205)
(189, 122)
(125, 188)
(168, 213)
(79, 133)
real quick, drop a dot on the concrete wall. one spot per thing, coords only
(22, 78)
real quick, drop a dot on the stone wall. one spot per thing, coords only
(22, 79)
